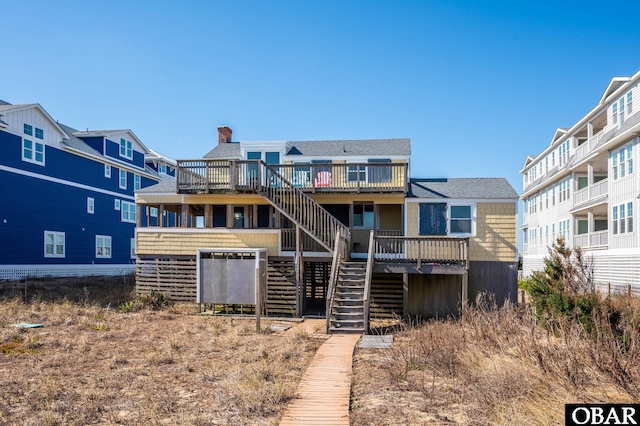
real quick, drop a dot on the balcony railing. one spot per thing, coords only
(591, 192)
(592, 240)
(203, 176)
(423, 250)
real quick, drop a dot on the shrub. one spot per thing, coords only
(153, 300)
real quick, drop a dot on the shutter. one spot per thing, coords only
(433, 219)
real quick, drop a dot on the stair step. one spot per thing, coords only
(346, 330)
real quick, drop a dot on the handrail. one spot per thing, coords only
(367, 280)
(421, 250)
(298, 207)
(333, 278)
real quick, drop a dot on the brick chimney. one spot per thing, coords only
(224, 135)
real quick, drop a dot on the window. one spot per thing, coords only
(553, 196)
(622, 162)
(39, 133)
(116, 204)
(546, 232)
(53, 244)
(136, 182)
(460, 219)
(162, 168)
(630, 102)
(153, 212)
(103, 246)
(28, 129)
(33, 152)
(433, 218)
(126, 149)
(357, 173)
(90, 205)
(107, 171)
(563, 229)
(614, 112)
(128, 212)
(546, 199)
(622, 218)
(621, 110)
(553, 158)
(123, 180)
(380, 174)
(363, 215)
(238, 217)
(133, 248)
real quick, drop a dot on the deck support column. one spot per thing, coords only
(161, 216)
(208, 221)
(405, 296)
(185, 215)
(465, 290)
(299, 267)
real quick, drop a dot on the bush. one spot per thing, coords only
(153, 300)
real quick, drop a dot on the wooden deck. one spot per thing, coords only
(323, 394)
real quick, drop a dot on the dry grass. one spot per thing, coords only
(90, 364)
(492, 367)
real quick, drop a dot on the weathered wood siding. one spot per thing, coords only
(434, 295)
(176, 241)
(497, 278)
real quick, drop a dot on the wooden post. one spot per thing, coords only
(465, 290)
(258, 294)
(298, 268)
(185, 215)
(161, 215)
(208, 220)
(405, 296)
(139, 216)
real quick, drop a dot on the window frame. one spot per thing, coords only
(107, 170)
(133, 248)
(126, 149)
(122, 177)
(471, 219)
(54, 245)
(91, 205)
(38, 133)
(137, 182)
(103, 246)
(27, 129)
(34, 151)
(126, 214)
(116, 204)
(364, 224)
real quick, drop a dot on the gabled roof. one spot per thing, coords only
(155, 155)
(7, 107)
(334, 148)
(345, 148)
(77, 143)
(462, 188)
(560, 132)
(225, 151)
(107, 133)
(614, 85)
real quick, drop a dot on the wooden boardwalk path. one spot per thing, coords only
(323, 394)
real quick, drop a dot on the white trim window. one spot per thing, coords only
(54, 245)
(622, 162)
(103, 246)
(162, 168)
(614, 112)
(32, 152)
(27, 129)
(357, 173)
(630, 102)
(122, 181)
(133, 248)
(39, 133)
(91, 205)
(128, 212)
(126, 149)
(116, 204)
(137, 182)
(107, 170)
(622, 218)
(153, 211)
(461, 219)
(563, 229)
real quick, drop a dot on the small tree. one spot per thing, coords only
(565, 288)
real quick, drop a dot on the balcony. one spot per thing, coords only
(437, 255)
(598, 239)
(211, 176)
(591, 192)
(592, 144)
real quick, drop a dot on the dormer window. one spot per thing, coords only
(126, 149)
(162, 168)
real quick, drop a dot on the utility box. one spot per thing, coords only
(231, 276)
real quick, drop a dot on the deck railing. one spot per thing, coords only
(423, 250)
(202, 176)
(288, 241)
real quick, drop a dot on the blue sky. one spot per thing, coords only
(476, 85)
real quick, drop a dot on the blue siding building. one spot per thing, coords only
(68, 206)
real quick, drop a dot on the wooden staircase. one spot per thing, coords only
(298, 207)
(348, 308)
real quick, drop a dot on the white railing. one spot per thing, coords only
(592, 240)
(584, 149)
(599, 239)
(599, 188)
(581, 196)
